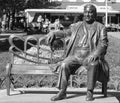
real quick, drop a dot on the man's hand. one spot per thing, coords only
(81, 70)
(91, 58)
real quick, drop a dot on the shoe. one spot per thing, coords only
(89, 96)
(59, 96)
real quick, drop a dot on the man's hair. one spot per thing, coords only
(92, 7)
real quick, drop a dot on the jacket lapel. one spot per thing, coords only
(74, 34)
(93, 30)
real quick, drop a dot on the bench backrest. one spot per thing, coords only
(33, 50)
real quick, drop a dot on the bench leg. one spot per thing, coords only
(8, 82)
(71, 80)
(104, 89)
(11, 83)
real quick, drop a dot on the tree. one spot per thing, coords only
(41, 4)
(12, 7)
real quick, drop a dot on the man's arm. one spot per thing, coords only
(58, 34)
(101, 48)
(103, 43)
(62, 33)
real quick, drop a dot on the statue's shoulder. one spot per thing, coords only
(101, 28)
(100, 25)
(77, 23)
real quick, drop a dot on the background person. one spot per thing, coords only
(58, 25)
(40, 22)
(46, 24)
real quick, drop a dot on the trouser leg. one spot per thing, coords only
(68, 67)
(92, 74)
(64, 75)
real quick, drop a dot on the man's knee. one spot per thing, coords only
(63, 65)
(93, 68)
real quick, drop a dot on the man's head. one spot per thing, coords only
(90, 13)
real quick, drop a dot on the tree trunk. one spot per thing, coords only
(8, 21)
(4, 22)
(13, 19)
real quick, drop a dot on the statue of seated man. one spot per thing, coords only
(87, 47)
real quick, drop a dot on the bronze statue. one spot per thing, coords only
(87, 47)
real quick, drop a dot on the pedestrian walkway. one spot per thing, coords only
(43, 95)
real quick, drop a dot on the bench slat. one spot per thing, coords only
(31, 69)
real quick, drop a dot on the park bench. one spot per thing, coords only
(41, 61)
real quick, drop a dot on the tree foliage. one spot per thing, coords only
(12, 4)
(41, 4)
(22, 4)
(18, 5)
(12, 7)
(37, 4)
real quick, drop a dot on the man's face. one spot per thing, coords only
(89, 14)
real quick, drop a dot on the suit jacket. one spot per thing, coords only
(98, 42)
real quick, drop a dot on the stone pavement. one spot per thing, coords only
(43, 95)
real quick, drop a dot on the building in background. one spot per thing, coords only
(113, 9)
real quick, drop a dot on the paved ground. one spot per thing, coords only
(34, 95)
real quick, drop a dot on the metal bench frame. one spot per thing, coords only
(36, 68)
